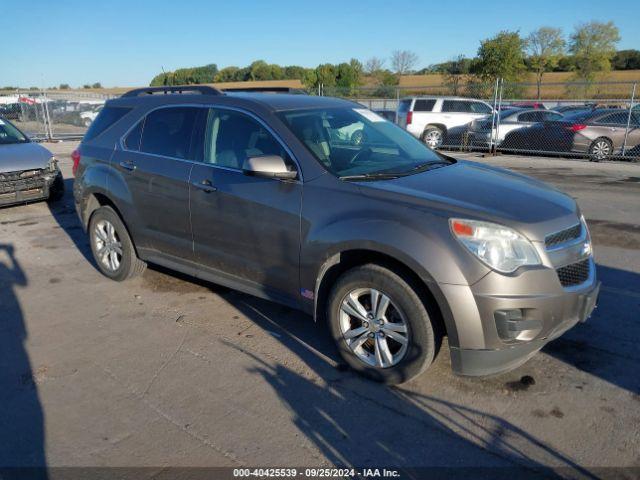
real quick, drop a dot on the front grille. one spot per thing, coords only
(25, 180)
(574, 274)
(563, 236)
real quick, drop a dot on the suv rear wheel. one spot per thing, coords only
(112, 247)
(433, 137)
(380, 325)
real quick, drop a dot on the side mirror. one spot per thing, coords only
(268, 166)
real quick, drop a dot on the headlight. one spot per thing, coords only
(52, 165)
(501, 248)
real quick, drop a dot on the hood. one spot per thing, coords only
(23, 156)
(482, 192)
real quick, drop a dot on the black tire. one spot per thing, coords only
(432, 131)
(596, 149)
(56, 190)
(130, 265)
(422, 341)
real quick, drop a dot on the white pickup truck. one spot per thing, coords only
(438, 120)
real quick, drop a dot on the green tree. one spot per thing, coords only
(186, 76)
(626, 60)
(294, 72)
(96, 85)
(501, 56)
(227, 74)
(64, 86)
(326, 75)
(545, 46)
(454, 73)
(593, 45)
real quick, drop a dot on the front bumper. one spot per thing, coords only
(548, 310)
(17, 189)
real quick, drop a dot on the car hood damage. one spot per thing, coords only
(23, 156)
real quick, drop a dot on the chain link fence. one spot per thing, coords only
(51, 115)
(580, 119)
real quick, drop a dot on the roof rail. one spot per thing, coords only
(202, 89)
(292, 90)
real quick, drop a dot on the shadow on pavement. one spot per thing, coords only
(22, 442)
(606, 346)
(359, 423)
(64, 213)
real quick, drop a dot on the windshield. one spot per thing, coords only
(356, 142)
(10, 134)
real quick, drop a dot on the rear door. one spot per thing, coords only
(244, 227)
(612, 126)
(156, 165)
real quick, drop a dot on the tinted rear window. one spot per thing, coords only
(107, 117)
(424, 105)
(168, 131)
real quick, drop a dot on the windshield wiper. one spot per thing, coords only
(372, 176)
(423, 167)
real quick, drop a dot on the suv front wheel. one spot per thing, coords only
(380, 325)
(112, 247)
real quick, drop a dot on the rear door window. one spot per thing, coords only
(422, 105)
(618, 118)
(168, 132)
(455, 106)
(479, 107)
(107, 117)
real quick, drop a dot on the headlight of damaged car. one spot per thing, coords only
(52, 165)
(500, 247)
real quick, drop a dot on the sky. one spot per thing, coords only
(126, 43)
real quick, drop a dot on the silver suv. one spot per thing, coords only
(391, 243)
(439, 121)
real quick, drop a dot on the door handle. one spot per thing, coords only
(127, 165)
(205, 185)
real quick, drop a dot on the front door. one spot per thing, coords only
(245, 227)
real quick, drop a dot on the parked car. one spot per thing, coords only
(534, 105)
(389, 115)
(480, 131)
(88, 116)
(439, 120)
(597, 133)
(10, 111)
(28, 171)
(570, 109)
(390, 242)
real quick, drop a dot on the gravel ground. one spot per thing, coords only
(165, 370)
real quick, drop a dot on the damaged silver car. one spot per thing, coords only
(28, 171)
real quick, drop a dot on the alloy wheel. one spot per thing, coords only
(373, 328)
(433, 138)
(601, 149)
(108, 246)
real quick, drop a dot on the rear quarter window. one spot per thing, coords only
(107, 117)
